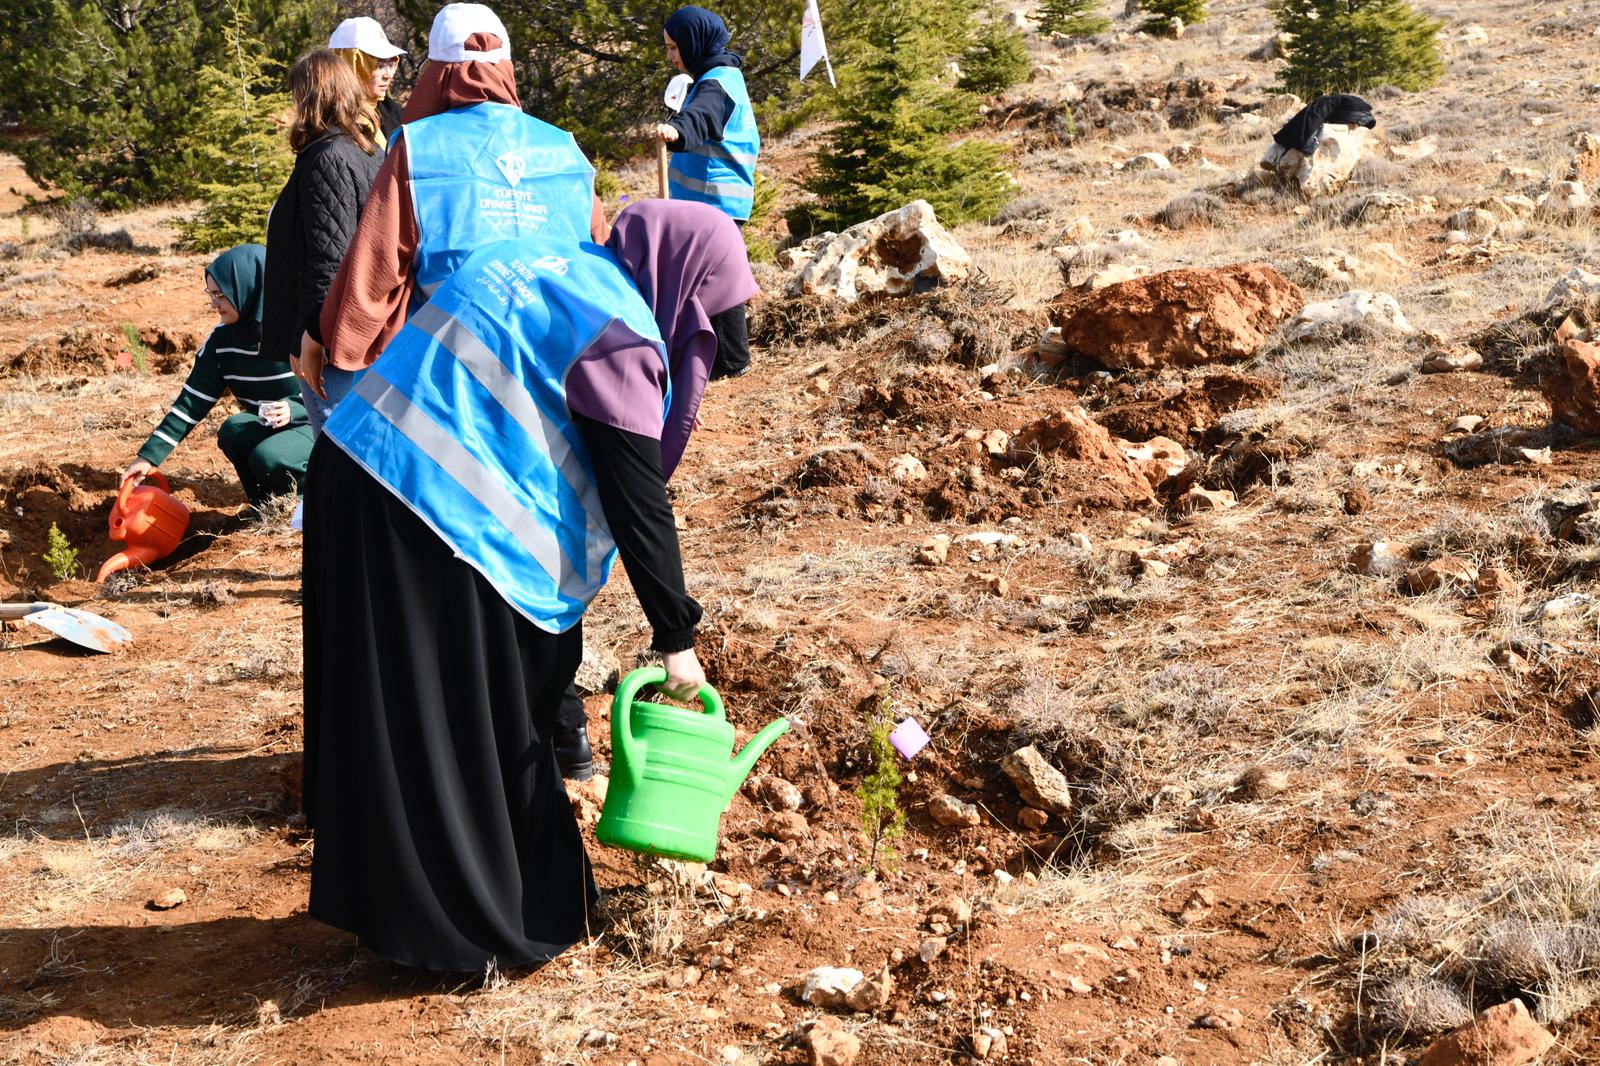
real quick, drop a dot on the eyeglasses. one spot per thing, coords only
(214, 294)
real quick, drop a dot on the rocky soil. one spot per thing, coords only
(1257, 651)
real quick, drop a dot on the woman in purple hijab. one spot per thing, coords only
(434, 670)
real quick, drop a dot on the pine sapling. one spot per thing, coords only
(882, 819)
(136, 349)
(61, 557)
(1072, 18)
(1160, 13)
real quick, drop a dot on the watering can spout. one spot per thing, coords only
(745, 761)
(138, 555)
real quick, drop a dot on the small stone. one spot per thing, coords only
(781, 794)
(993, 584)
(1197, 906)
(168, 899)
(1260, 783)
(1465, 424)
(787, 826)
(1380, 558)
(687, 977)
(1033, 818)
(1357, 499)
(1079, 985)
(1039, 783)
(829, 986)
(997, 442)
(1148, 161)
(1495, 583)
(1447, 572)
(935, 550)
(1451, 359)
(951, 910)
(1200, 499)
(948, 810)
(987, 1042)
(907, 467)
(872, 993)
(1221, 1019)
(829, 1045)
(1503, 1035)
(931, 948)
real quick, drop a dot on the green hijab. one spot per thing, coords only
(240, 273)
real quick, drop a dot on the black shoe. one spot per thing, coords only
(719, 373)
(573, 754)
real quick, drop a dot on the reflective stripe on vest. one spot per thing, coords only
(464, 418)
(721, 173)
(488, 173)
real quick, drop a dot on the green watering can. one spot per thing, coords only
(673, 772)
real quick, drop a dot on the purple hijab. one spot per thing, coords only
(689, 262)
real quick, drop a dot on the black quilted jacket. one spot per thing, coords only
(310, 227)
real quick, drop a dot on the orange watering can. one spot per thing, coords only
(149, 519)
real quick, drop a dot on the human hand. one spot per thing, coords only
(138, 470)
(685, 676)
(274, 414)
(313, 357)
(666, 133)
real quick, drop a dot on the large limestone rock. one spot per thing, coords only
(1566, 199)
(1327, 169)
(1574, 390)
(1181, 317)
(1503, 1035)
(887, 254)
(1356, 312)
(1575, 286)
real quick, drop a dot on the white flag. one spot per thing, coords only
(813, 45)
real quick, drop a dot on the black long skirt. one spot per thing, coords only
(443, 834)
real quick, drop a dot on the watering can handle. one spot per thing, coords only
(127, 487)
(622, 738)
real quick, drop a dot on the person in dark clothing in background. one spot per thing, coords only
(1303, 132)
(362, 43)
(461, 512)
(715, 144)
(315, 216)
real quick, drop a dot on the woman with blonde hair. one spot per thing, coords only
(315, 216)
(362, 43)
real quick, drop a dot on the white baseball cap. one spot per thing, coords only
(447, 41)
(366, 35)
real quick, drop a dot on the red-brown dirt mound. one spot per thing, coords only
(1071, 435)
(1180, 317)
(101, 350)
(1133, 414)
(32, 499)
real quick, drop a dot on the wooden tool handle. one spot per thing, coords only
(661, 169)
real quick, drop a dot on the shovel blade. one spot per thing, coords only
(83, 628)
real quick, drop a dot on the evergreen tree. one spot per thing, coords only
(1356, 45)
(1160, 14)
(896, 114)
(997, 59)
(103, 91)
(1074, 18)
(238, 146)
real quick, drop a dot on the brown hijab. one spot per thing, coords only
(447, 86)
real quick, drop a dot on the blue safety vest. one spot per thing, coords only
(464, 417)
(721, 173)
(487, 173)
